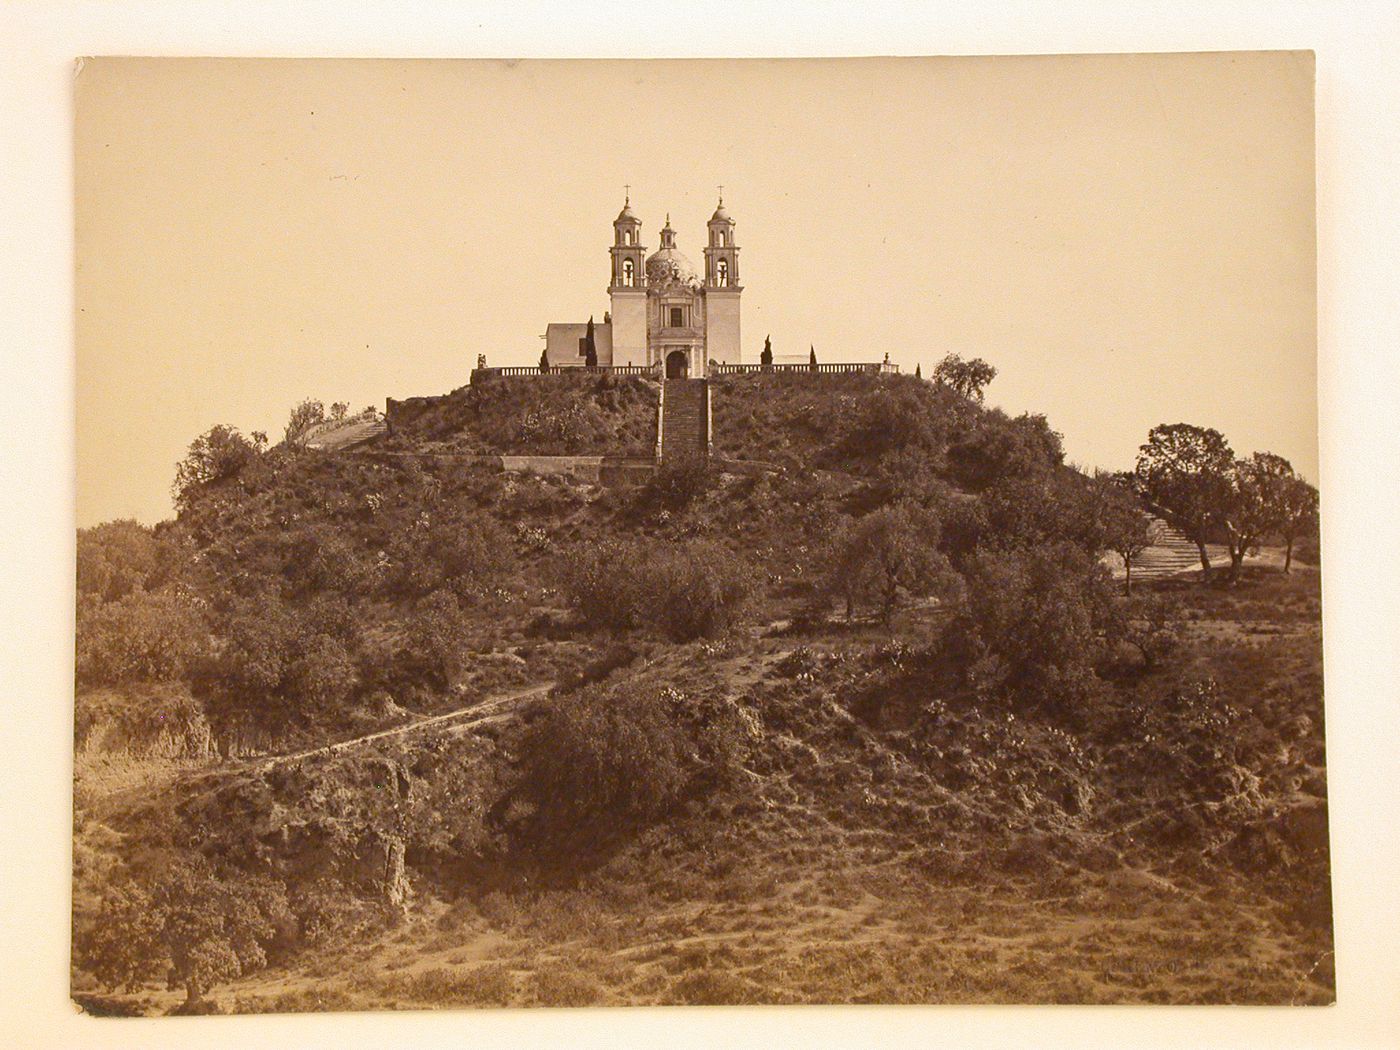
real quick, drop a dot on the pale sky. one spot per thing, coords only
(1129, 239)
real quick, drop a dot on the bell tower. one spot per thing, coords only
(722, 288)
(627, 289)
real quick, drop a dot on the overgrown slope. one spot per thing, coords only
(872, 725)
(581, 414)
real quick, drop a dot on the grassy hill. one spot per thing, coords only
(623, 745)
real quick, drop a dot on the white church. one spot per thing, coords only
(664, 312)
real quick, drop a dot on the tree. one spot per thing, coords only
(694, 590)
(590, 348)
(1127, 530)
(544, 360)
(918, 371)
(151, 636)
(766, 358)
(889, 553)
(964, 377)
(1254, 504)
(197, 928)
(339, 409)
(1297, 514)
(1185, 473)
(220, 453)
(599, 763)
(995, 448)
(118, 557)
(812, 359)
(305, 415)
(1034, 622)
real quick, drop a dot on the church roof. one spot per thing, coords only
(625, 215)
(668, 266)
(720, 214)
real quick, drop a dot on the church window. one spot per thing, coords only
(677, 317)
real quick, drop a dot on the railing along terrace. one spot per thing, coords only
(865, 367)
(850, 367)
(559, 370)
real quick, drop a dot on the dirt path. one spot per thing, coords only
(463, 718)
(483, 709)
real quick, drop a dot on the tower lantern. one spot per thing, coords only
(627, 288)
(721, 256)
(627, 251)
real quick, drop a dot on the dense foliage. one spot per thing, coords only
(986, 673)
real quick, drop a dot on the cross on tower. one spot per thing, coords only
(721, 194)
(627, 193)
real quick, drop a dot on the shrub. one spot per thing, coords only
(999, 447)
(892, 419)
(118, 557)
(697, 591)
(281, 662)
(1033, 623)
(602, 759)
(676, 484)
(601, 762)
(145, 636)
(693, 590)
(468, 553)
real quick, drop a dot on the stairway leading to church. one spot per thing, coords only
(684, 420)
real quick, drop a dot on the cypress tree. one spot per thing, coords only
(918, 372)
(590, 350)
(812, 359)
(544, 360)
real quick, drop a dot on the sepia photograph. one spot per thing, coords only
(607, 533)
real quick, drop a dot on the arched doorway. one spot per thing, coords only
(677, 365)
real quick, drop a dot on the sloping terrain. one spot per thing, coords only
(567, 415)
(367, 731)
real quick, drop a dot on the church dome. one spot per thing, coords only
(720, 214)
(668, 267)
(625, 215)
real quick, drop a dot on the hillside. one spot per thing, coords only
(683, 742)
(598, 414)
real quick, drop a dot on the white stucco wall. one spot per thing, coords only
(629, 327)
(722, 326)
(561, 343)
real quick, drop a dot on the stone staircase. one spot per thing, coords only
(1171, 553)
(685, 424)
(343, 434)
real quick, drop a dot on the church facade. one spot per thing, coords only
(664, 312)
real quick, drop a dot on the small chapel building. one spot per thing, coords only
(665, 314)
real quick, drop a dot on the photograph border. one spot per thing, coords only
(1358, 110)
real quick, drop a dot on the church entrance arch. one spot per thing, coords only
(677, 365)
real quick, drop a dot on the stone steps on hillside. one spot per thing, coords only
(342, 434)
(684, 420)
(1172, 553)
